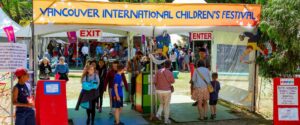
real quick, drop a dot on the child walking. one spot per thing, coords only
(109, 81)
(89, 94)
(117, 95)
(22, 99)
(213, 98)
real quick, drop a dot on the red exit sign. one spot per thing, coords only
(90, 33)
(201, 36)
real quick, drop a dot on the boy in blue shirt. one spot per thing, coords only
(213, 97)
(117, 95)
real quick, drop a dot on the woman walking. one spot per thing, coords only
(163, 81)
(201, 79)
(102, 71)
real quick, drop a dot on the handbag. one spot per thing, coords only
(210, 88)
(172, 88)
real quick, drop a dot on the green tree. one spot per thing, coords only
(281, 23)
(19, 10)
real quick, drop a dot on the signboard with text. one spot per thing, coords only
(90, 33)
(147, 14)
(51, 103)
(12, 56)
(286, 101)
(201, 36)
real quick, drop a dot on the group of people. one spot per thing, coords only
(98, 77)
(99, 51)
(91, 49)
(203, 88)
(180, 58)
(61, 69)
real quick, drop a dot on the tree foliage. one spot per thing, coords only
(18, 10)
(281, 23)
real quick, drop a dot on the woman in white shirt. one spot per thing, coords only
(200, 91)
(173, 58)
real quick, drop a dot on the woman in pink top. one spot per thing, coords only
(163, 81)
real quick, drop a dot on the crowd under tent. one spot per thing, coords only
(239, 86)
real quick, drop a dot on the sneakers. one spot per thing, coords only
(168, 122)
(100, 110)
(120, 123)
(111, 113)
(158, 117)
(195, 104)
(213, 116)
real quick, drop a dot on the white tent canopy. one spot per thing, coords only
(6, 21)
(64, 34)
(24, 32)
(146, 30)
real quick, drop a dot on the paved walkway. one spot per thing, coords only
(182, 111)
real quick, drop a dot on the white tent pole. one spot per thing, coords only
(35, 62)
(12, 106)
(77, 52)
(151, 75)
(128, 46)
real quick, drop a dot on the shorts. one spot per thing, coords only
(133, 85)
(200, 94)
(26, 117)
(213, 102)
(117, 104)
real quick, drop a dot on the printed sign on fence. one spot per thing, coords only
(12, 56)
(288, 114)
(287, 95)
(286, 101)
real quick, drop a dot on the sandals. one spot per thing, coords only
(203, 119)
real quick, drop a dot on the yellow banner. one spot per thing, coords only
(126, 14)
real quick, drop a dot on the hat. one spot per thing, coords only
(20, 72)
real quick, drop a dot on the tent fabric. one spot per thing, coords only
(146, 30)
(24, 32)
(64, 34)
(6, 21)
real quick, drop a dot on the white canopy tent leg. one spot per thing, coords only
(12, 106)
(128, 48)
(77, 56)
(35, 59)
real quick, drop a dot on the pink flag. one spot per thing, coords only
(72, 36)
(10, 33)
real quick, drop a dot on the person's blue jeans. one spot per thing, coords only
(25, 117)
(180, 64)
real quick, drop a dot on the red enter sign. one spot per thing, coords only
(90, 33)
(201, 36)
